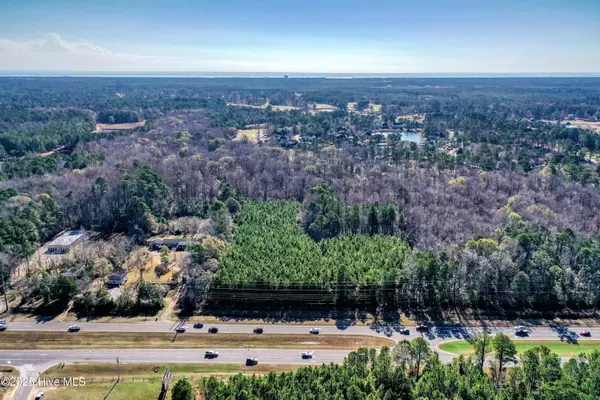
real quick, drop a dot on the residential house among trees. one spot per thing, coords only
(172, 244)
(117, 278)
(65, 242)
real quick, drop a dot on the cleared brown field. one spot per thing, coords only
(579, 123)
(118, 127)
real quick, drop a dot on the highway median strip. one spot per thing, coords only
(138, 340)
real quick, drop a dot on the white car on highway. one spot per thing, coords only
(307, 354)
(181, 329)
(74, 328)
(314, 331)
(521, 330)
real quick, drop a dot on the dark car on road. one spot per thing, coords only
(198, 325)
(211, 354)
(258, 330)
(404, 331)
(213, 329)
(251, 361)
(585, 333)
(3, 327)
(422, 328)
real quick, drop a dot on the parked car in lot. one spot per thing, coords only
(198, 325)
(404, 331)
(422, 328)
(181, 329)
(314, 331)
(307, 354)
(258, 330)
(211, 354)
(74, 328)
(213, 329)
(251, 361)
(585, 333)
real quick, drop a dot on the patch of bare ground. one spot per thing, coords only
(118, 127)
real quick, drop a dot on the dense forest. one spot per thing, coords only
(495, 207)
(412, 371)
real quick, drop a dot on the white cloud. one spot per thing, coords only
(53, 53)
(52, 43)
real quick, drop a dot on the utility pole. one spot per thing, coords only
(118, 371)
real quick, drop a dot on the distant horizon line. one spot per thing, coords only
(346, 75)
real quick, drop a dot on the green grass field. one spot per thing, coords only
(99, 391)
(139, 380)
(562, 349)
(251, 134)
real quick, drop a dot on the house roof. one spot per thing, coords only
(117, 275)
(67, 238)
(115, 293)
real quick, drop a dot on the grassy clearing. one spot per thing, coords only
(411, 117)
(579, 123)
(117, 127)
(562, 349)
(251, 134)
(375, 108)
(98, 391)
(149, 261)
(102, 370)
(139, 379)
(135, 340)
(274, 107)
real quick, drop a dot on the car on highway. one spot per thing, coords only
(585, 333)
(307, 354)
(213, 329)
(211, 354)
(404, 331)
(521, 330)
(251, 361)
(258, 330)
(39, 396)
(314, 331)
(3, 325)
(422, 328)
(74, 328)
(181, 329)
(198, 325)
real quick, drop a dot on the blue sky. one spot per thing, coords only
(399, 36)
